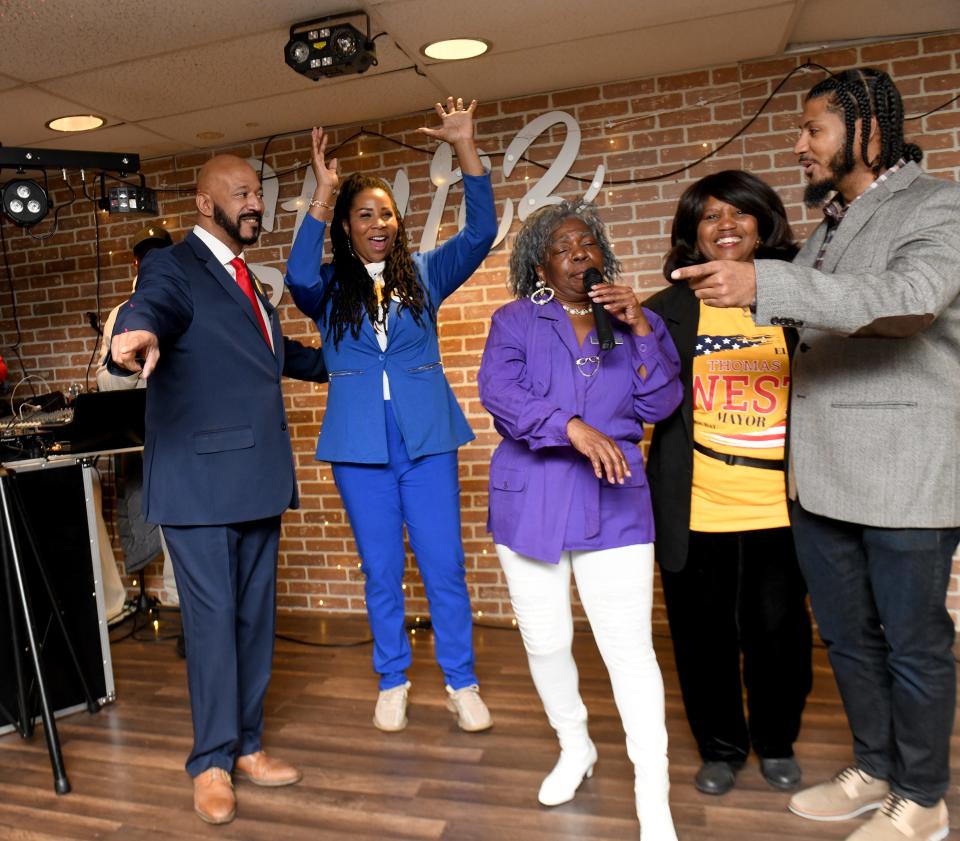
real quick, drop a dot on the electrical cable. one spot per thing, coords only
(15, 347)
(56, 213)
(362, 132)
(96, 226)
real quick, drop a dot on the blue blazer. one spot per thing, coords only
(217, 449)
(427, 412)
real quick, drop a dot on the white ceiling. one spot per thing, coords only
(162, 73)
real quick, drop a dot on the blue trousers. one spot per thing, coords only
(879, 596)
(226, 577)
(424, 495)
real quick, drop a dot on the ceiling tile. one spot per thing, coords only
(823, 21)
(361, 98)
(625, 55)
(59, 37)
(27, 109)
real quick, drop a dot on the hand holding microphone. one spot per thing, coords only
(591, 277)
(608, 299)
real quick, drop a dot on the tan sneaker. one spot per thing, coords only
(900, 819)
(472, 713)
(852, 792)
(391, 712)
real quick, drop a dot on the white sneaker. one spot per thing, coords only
(391, 712)
(561, 784)
(472, 713)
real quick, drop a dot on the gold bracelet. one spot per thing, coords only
(316, 203)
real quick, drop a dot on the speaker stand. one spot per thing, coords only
(14, 525)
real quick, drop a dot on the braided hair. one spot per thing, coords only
(860, 94)
(350, 296)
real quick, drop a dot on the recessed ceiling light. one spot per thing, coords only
(455, 49)
(76, 122)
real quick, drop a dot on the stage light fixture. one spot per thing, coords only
(127, 198)
(330, 46)
(25, 202)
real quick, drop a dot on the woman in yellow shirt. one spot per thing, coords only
(716, 470)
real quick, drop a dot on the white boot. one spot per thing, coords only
(578, 755)
(656, 822)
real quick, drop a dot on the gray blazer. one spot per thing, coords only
(875, 407)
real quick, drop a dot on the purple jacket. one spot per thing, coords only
(544, 496)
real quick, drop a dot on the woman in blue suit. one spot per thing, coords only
(392, 424)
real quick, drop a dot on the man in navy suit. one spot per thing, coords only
(218, 467)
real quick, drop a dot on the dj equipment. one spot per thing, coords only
(104, 420)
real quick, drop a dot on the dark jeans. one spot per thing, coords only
(879, 596)
(741, 592)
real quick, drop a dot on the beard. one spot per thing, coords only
(232, 227)
(817, 192)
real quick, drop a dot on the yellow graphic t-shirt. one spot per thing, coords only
(741, 386)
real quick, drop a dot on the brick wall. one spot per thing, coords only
(636, 129)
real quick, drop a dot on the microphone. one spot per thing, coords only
(601, 318)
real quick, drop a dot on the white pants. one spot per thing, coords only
(616, 590)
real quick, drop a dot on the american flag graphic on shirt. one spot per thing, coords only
(707, 345)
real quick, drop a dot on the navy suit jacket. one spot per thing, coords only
(217, 448)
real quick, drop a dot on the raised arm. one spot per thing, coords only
(456, 128)
(304, 278)
(446, 268)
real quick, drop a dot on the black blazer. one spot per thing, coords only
(670, 461)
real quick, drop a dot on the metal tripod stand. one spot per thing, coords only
(15, 534)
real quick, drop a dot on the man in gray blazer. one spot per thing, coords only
(875, 442)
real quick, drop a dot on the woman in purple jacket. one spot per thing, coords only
(568, 491)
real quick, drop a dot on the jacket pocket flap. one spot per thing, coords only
(219, 440)
(638, 476)
(508, 479)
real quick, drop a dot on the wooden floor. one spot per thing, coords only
(429, 782)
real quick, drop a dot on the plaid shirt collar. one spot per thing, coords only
(837, 208)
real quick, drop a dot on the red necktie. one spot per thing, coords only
(243, 281)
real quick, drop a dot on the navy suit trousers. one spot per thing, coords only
(226, 576)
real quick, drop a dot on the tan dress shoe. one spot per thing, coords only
(213, 797)
(265, 771)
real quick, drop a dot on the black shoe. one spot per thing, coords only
(716, 777)
(181, 647)
(783, 774)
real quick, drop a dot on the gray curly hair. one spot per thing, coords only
(530, 248)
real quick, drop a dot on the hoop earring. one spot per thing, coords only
(542, 295)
